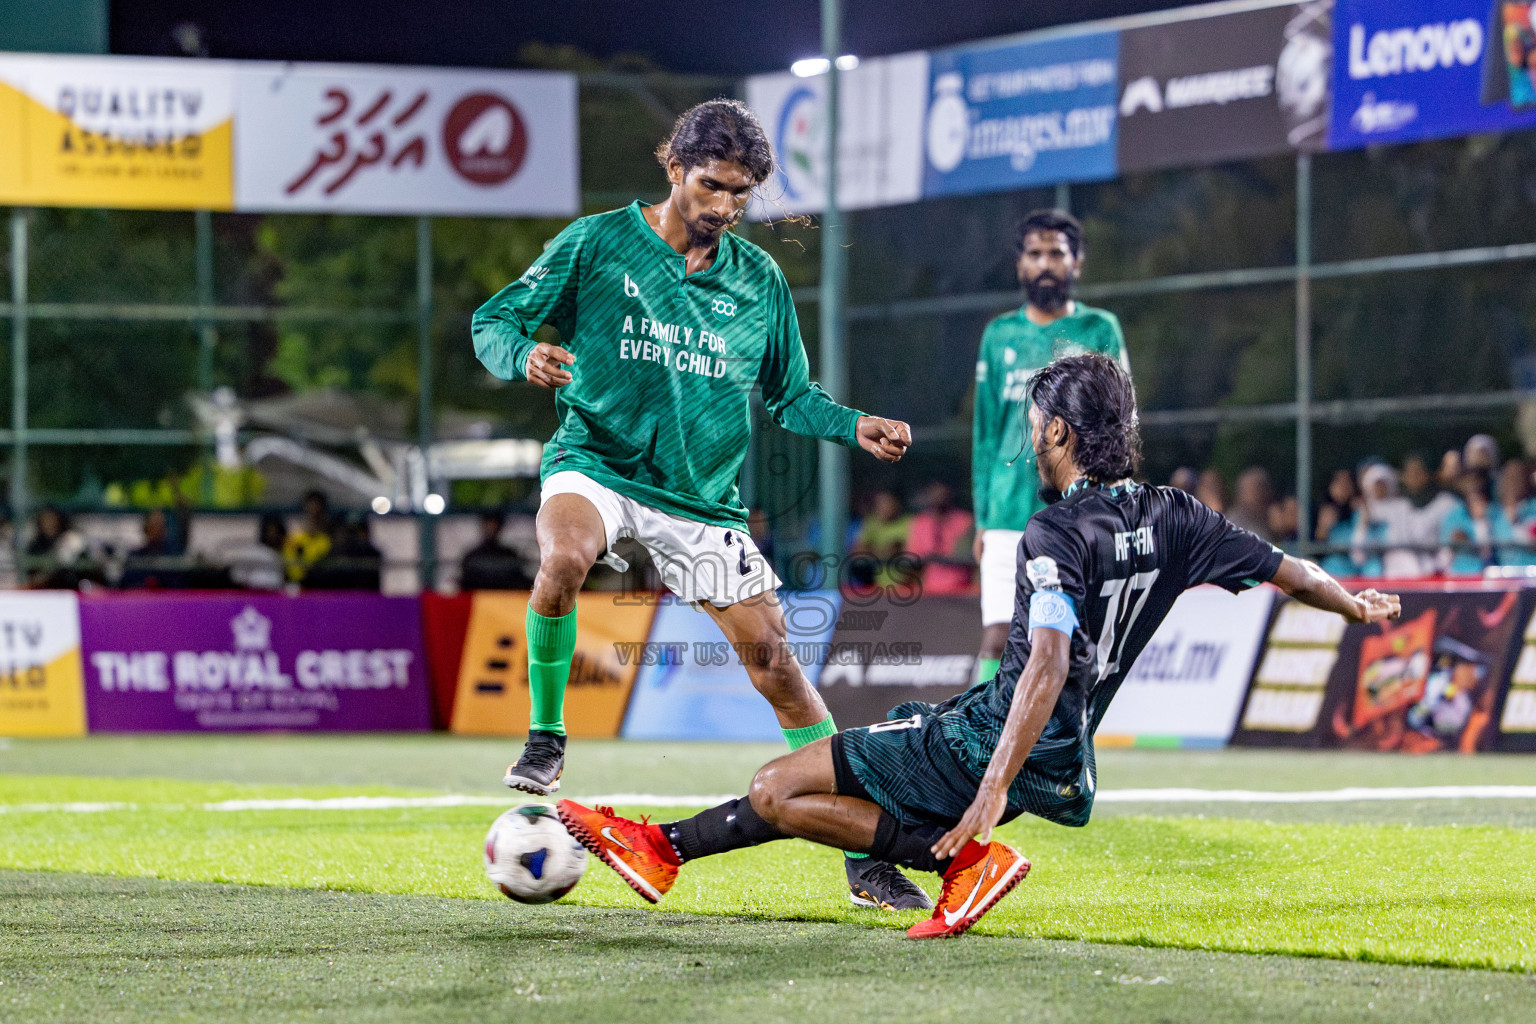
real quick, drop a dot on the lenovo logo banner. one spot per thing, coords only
(1432, 69)
(1225, 88)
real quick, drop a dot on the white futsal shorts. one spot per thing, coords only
(697, 562)
(999, 568)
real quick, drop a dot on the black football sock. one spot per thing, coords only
(731, 826)
(908, 846)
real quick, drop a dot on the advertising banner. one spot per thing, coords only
(343, 138)
(492, 698)
(892, 648)
(1186, 687)
(692, 685)
(1233, 87)
(1433, 680)
(41, 687)
(881, 113)
(218, 135)
(116, 132)
(1517, 721)
(1018, 114)
(1431, 69)
(167, 662)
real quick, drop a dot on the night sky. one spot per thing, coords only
(713, 38)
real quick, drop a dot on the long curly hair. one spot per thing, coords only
(1094, 396)
(719, 130)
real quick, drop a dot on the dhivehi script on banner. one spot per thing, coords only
(180, 134)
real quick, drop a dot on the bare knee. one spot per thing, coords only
(564, 567)
(768, 795)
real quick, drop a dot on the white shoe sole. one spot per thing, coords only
(527, 785)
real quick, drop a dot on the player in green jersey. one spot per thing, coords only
(1048, 247)
(668, 322)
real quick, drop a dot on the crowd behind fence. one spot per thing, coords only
(1467, 513)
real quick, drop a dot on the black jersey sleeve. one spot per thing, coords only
(1052, 559)
(1229, 556)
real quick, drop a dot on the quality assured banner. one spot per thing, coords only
(880, 106)
(116, 132)
(1433, 680)
(1431, 69)
(1019, 114)
(40, 682)
(215, 662)
(693, 685)
(1188, 684)
(348, 138)
(1232, 87)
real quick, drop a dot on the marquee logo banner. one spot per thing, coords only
(1234, 87)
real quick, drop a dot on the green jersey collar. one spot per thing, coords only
(722, 254)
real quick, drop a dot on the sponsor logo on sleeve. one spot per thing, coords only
(1043, 573)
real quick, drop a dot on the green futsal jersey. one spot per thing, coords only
(659, 405)
(1013, 347)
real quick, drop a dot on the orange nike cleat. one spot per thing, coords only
(635, 849)
(977, 878)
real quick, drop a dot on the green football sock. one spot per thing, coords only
(986, 668)
(551, 643)
(797, 738)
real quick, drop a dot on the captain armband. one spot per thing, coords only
(1051, 609)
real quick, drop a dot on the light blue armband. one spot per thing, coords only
(1050, 609)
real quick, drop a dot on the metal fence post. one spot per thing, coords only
(207, 333)
(426, 523)
(833, 466)
(1304, 351)
(19, 511)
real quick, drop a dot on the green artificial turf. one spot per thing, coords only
(1447, 895)
(80, 948)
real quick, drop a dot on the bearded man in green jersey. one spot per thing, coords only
(1048, 249)
(668, 322)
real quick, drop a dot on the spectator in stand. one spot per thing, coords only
(312, 541)
(1470, 530)
(1517, 515)
(1336, 521)
(352, 563)
(492, 565)
(1185, 479)
(1285, 520)
(1431, 505)
(883, 537)
(1212, 490)
(1383, 544)
(1254, 496)
(146, 565)
(941, 536)
(259, 566)
(56, 552)
(1449, 471)
(1481, 452)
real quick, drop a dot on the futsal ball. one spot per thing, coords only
(530, 856)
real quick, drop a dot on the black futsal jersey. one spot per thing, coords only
(1103, 565)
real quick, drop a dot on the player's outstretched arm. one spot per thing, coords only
(1034, 698)
(1309, 584)
(887, 440)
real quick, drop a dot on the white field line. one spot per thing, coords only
(1351, 794)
